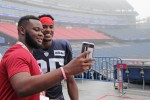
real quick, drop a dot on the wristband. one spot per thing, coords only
(63, 72)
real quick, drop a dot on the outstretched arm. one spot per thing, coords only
(25, 85)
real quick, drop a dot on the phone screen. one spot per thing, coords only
(88, 46)
(91, 54)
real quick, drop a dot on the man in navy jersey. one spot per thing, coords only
(54, 54)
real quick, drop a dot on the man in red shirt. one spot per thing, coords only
(19, 71)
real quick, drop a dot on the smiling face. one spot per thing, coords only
(33, 34)
(48, 31)
(48, 28)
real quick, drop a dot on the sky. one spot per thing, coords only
(142, 7)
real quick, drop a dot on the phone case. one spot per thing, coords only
(88, 46)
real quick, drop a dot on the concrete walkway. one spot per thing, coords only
(98, 90)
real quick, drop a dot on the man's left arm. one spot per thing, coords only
(72, 88)
(71, 83)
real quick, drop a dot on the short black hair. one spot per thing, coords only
(25, 19)
(47, 15)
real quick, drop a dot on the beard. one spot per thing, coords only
(30, 41)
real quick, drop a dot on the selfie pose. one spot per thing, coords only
(20, 76)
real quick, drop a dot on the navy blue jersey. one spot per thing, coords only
(57, 55)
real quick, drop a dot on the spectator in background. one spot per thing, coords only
(54, 54)
(20, 76)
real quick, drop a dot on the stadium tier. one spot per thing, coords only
(128, 34)
(60, 32)
(103, 20)
(78, 33)
(9, 29)
(90, 13)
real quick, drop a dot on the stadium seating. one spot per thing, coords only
(128, 33)
(76, 12)
(147, 75)
(60, 32)
(78, 33)
(9, 29)
(136, 74)
(99, 16)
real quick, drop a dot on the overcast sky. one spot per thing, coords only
(142, 7)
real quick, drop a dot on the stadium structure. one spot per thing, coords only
(98, 21)
(110, 24)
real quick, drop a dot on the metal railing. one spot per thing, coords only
(103, 70)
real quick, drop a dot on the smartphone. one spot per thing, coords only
(86, 46)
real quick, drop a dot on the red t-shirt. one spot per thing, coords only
(16, 59)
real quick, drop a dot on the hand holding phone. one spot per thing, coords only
(86, 46)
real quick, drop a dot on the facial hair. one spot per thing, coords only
(30, 41)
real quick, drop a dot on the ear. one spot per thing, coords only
(21, 30)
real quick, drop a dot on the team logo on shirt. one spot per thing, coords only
(46, 53)
(59, 53)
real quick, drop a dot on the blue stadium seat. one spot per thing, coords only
(135, 75)
(147, 75)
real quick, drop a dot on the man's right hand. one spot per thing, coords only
(79, 64)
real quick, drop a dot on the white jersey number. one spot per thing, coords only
(52, 64)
